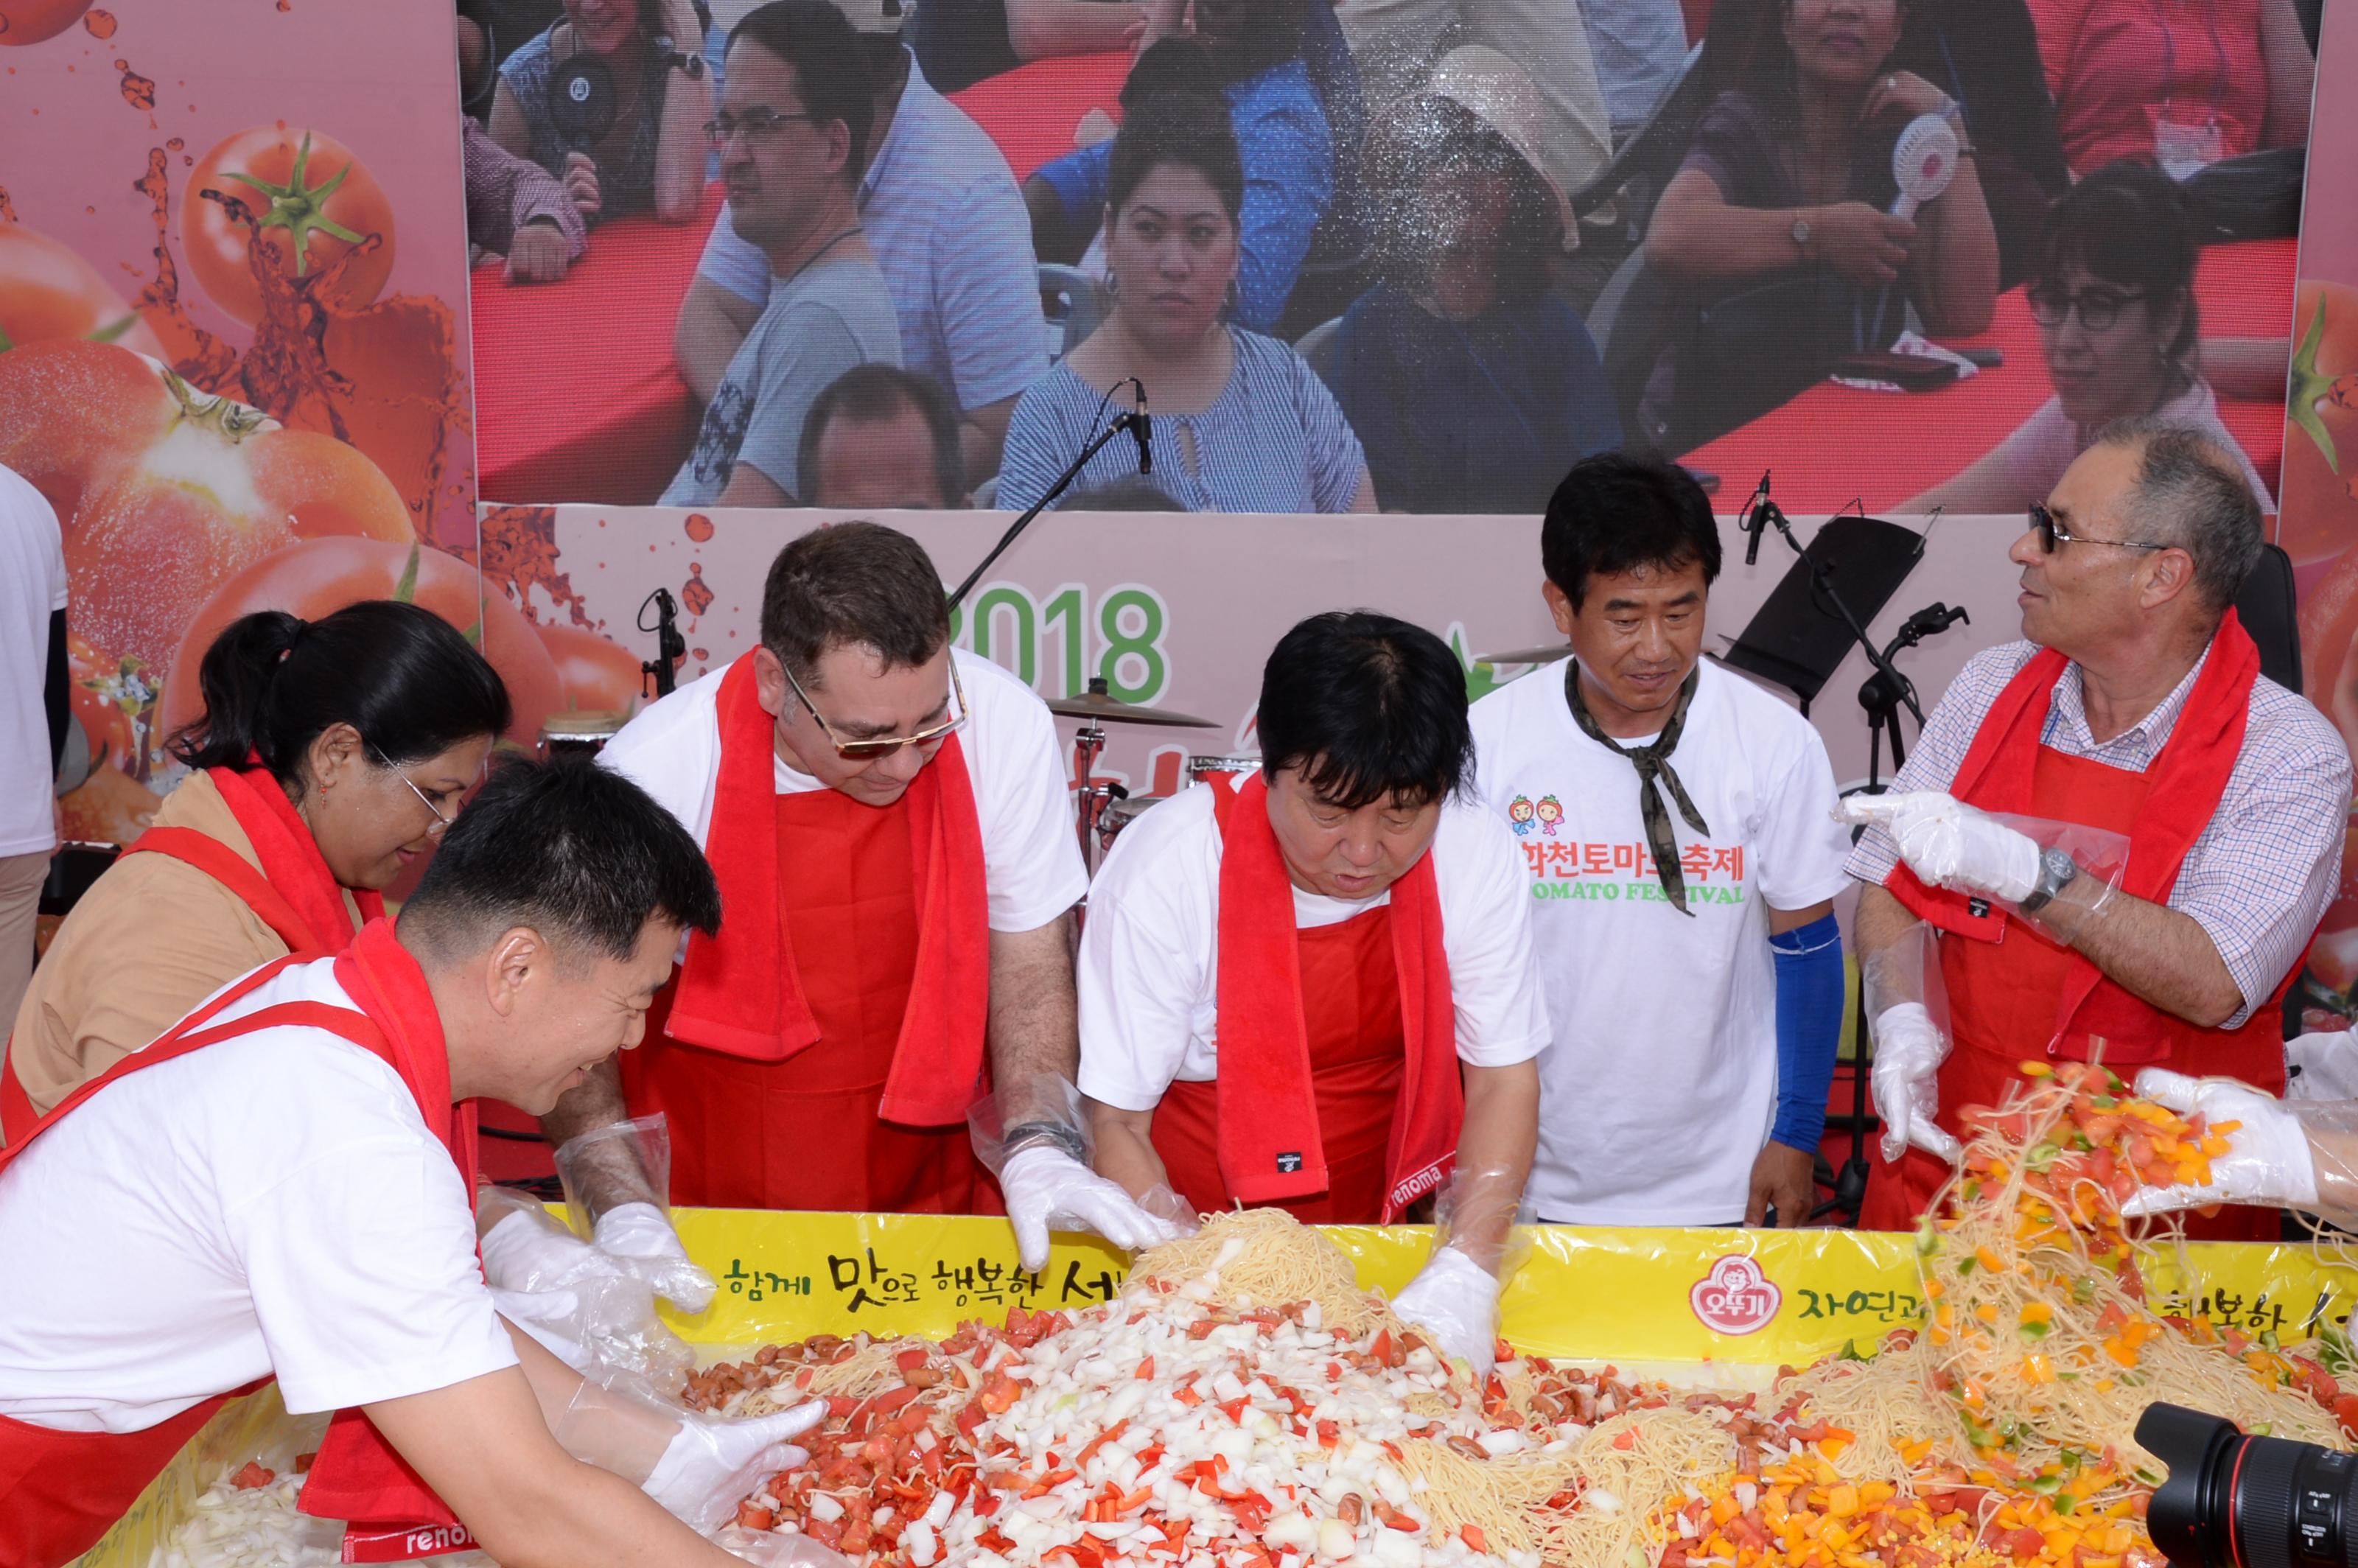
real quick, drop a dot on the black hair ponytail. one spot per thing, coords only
(401, 675)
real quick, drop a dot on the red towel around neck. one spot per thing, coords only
(1271, 1148)
(291, 857)
(740, 992)
(2185, 784)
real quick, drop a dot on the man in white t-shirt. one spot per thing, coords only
(889, 821)
(281, 1186)
(1282, 981)
(1676, 823)
(33, 717)
(949, 228)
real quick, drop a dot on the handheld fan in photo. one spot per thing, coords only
(1923, 161)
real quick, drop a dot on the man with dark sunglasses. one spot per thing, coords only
(2115, 837)
(888, 822)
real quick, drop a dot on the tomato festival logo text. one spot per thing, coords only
(1735, 1297)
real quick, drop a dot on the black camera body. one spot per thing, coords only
(2234, 1501)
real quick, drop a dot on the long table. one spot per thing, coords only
(1833, 443)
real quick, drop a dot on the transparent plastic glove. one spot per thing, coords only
(526, 1250)
(712, 1464)
(699, 1467)
(1456, 1300)
(552, 1317)
(639, 1237)
(1909, 1051)
(1044, 1186)
(2267, 1160)
(1950, 844)
(1048, 1189)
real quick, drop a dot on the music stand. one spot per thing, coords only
(1817, 613)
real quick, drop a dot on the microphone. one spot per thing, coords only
(1939, 617)
(1756, 520)
(1142, 430)
(1923, 162)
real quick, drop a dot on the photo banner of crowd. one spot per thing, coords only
(1399, 256)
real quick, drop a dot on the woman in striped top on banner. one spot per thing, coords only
(1242, 424)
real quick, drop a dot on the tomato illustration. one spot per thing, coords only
(597, 675)
(2328, 619)
(2320, 512)
(165, 491)
(30, 21)
(47, 290)
(314, 201)
(107, 694)
(317, 576)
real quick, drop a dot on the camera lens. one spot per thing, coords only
(2234, 1501)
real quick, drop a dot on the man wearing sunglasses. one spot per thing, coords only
(2134, 706)
(791, 133)
(890, 824)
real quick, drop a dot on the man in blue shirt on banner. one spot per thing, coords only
(1678, 822)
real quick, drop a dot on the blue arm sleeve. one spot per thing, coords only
(1079, 180)
(1808, 1028)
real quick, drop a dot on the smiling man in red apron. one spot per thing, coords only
(1314, 988)
(888, 822)
(2133, 705)
(281, 1187)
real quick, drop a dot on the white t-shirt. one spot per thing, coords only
(1662, 1083)
(1149, 968)
(1031, 857)
(32, 588)
(271, 1202)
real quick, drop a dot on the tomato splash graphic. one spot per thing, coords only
(700, 528)
(8, 213)
(520, 555)
(200, 358)
(99, 24)
(138, 90)
(694, 597)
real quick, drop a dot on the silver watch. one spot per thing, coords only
(2055, 869)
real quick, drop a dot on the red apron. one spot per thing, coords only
(806, 1132)
(1358, 1050)
(2004, 998)
(263, 810)
(60, 1491)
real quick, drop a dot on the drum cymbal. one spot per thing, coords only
(1103, 708)
(1526, 655)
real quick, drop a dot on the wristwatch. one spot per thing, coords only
(1801, 233)
(2055, 869)
(1050, 1132)
(674, 59)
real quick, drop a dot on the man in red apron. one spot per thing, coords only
(281, 1187)
(1312, 988)
(2135, 706)
(889, 821)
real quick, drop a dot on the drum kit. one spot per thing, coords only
(1103, 807)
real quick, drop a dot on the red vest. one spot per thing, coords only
(1338, 1067)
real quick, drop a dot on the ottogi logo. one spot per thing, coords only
(1735, 1297)
(1289, 1162)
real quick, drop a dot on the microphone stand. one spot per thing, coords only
(1122, 424)
(670, 646)
(1821, 582)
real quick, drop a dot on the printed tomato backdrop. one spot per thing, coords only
(233, 348)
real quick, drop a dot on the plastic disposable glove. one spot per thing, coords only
(1909, 1051)
(2267, 1158)
(2328, 1063)
(1456, 1300)
(713, 1462)
(639, 1237)
(1047, 1188)
(552, 1317)
(1950, 844)
(529, 1252)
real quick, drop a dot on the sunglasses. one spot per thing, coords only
(870, 751)
(2052, 534)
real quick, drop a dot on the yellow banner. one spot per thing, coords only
(1733, 1296)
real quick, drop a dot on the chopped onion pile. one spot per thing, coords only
(1168, 1430)
(247, 1520)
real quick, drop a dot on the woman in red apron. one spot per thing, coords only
(329, 754)
(1351, 1077)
